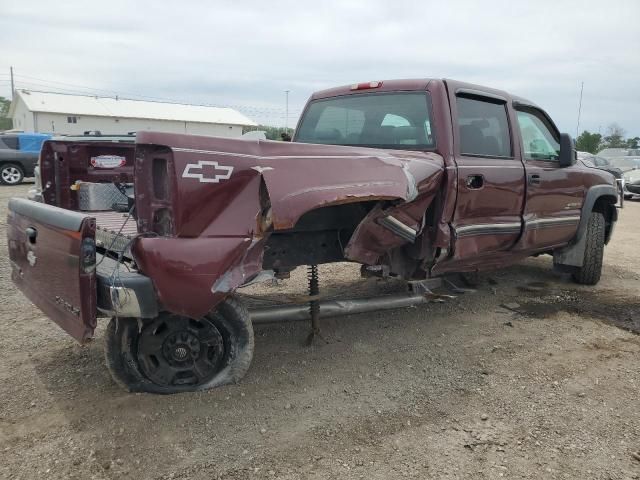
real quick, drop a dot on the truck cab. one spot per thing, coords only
(512, 185)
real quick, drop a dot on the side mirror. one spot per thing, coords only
(568, 154)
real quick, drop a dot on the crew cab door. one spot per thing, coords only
(53, 259)
(553, 199)
(490, 179)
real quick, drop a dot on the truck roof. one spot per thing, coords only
(413, 84)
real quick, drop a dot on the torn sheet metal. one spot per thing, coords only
(218, 229)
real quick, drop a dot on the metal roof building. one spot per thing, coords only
(59, 113)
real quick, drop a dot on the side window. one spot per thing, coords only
(483, 127)
(11, 142)
(539, 139)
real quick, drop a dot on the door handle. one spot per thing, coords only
(475, 182)
(534, 179)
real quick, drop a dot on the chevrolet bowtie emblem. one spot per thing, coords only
(207, 171)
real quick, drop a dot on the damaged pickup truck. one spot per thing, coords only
(412, 178)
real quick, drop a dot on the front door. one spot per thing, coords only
(491, 181)
(553, 206)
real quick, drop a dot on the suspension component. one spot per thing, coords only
(314, 305)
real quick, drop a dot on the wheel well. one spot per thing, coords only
(12, 162)
(606, 205)
(319, 236)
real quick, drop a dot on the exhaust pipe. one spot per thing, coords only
(332, 308)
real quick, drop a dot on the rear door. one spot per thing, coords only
(491, 177)
(53, 258)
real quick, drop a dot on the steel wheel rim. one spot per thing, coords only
(11, 174)
(179, 351)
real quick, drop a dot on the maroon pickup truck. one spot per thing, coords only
(415, 178)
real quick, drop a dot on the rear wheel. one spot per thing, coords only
(11, 174)
(172, 353)
(589, 273)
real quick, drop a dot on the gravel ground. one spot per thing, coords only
(529, 377)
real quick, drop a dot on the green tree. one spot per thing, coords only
(614, 137)
(588, 142)
(633, 142)
(5, 121)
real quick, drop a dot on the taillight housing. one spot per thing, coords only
(163, 222)
(154, 190)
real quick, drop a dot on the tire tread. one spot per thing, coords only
(591, 270)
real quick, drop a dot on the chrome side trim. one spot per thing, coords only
(399, 228)
(502, 167)
(488, 229)
(551, 222)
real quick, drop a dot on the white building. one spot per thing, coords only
(59, 113)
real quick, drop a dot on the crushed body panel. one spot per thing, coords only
(254, 188)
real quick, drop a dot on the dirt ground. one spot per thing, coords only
(531, 377)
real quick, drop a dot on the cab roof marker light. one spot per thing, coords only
(365, 85)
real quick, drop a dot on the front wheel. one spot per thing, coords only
(11, 174)
(589, 273)
(172, 353)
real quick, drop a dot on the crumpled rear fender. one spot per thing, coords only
(193, 275)
(371, 240)
(220, 227)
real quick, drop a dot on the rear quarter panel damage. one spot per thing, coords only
(220, 227)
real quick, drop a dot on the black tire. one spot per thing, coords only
(589, 273)
(223, 354)
(11, 174)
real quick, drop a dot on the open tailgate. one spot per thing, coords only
(53, 257)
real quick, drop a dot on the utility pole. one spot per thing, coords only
(579, 110)
(12, 85)
(286, 114)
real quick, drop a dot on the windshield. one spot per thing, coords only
(385, 120)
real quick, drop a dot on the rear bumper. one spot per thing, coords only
(124, 293)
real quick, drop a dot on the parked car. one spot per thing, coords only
(619, 152)
(591, 160)
(630, 167)
(415, 179)
(19, 155)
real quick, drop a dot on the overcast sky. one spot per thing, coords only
(247, 53)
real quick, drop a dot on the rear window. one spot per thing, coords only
(385, 120)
